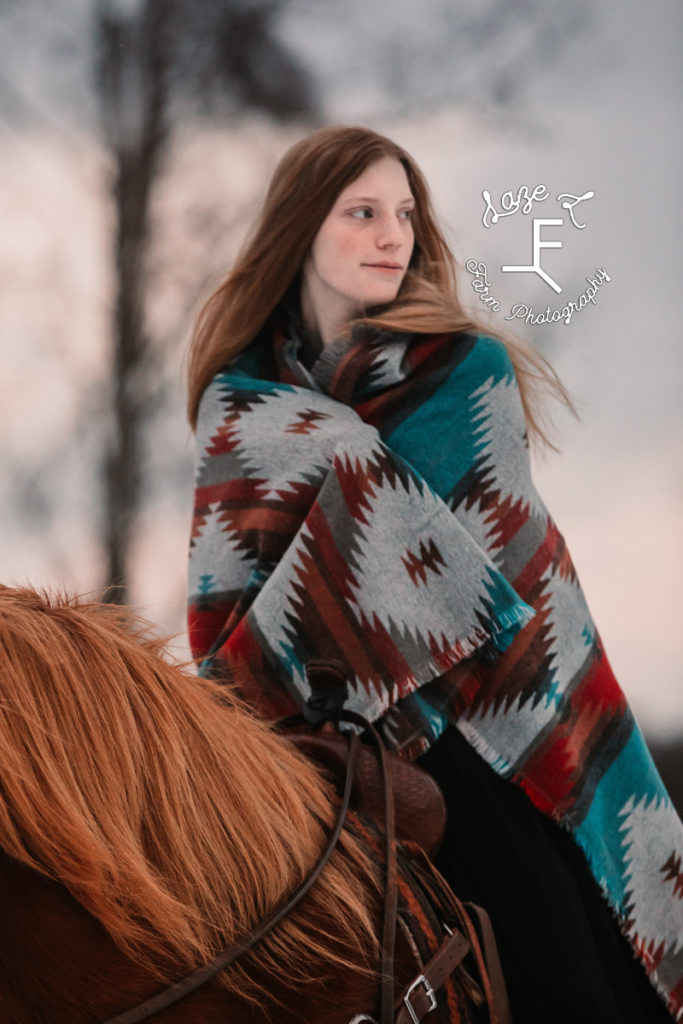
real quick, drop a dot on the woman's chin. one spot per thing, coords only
(382, 297)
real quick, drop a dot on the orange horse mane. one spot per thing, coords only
(176, 817)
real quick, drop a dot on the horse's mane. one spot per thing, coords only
(169, 811)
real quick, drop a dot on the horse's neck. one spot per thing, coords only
(57, 964)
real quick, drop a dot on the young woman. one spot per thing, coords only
(364, 494)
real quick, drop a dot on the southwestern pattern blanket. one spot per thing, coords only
(378, 509)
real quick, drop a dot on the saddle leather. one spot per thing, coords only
(419, 807)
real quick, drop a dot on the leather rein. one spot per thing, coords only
(420, 997)
(227, 956)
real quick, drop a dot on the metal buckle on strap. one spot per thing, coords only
(429, 991)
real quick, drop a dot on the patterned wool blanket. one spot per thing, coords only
(378, 508)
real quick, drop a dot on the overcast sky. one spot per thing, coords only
(603, 116)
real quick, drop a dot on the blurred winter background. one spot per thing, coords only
(137, 137)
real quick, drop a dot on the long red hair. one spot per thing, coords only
(169, 811)
(303, 189)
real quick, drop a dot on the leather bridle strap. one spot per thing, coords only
(325, 705)
(420, 997)
(388, 947)
(386, 1002)
(491, 970)
(227, 956)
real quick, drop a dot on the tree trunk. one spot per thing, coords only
(133, 78)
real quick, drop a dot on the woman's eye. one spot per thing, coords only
(366, 212)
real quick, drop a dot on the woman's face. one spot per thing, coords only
(361, 252)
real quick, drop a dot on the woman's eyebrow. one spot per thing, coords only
(374, 199)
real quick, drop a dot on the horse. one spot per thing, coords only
(149, 820)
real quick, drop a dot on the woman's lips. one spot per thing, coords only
(389, 268)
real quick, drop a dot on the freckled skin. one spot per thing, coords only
(369, 224)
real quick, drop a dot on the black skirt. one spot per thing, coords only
(563, 955)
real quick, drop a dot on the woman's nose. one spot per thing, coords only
(389, 231)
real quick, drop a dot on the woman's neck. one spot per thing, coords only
(324, 316)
